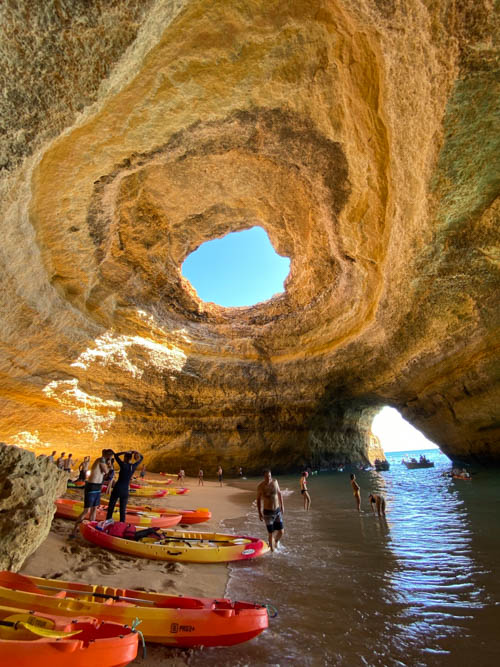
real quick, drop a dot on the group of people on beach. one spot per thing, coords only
(271, 509)
(270, 504)
(101, 468)
(219, 475)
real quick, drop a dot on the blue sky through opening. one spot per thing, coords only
(240, 269)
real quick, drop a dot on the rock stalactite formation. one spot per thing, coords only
(361, 135)
(29, 487)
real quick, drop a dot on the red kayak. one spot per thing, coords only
(71, 509)
(199, 515)
(45, 639)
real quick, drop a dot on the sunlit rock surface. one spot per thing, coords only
(29, 487)
(361, 135)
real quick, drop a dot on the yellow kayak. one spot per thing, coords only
(154, 482)
(174, 545)
(155, 492)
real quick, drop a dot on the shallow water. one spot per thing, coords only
(419, 589)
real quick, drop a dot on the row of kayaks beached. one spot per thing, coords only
(138, 490)
(166, 619)
(158, 517)
(169, 545)
(29, 638)
(177, 545)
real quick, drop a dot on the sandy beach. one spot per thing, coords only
(78, 560)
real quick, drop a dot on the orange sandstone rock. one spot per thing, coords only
(29, 487)
(361, 135)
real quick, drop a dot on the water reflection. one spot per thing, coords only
(431, 538)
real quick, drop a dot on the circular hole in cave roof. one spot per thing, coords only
(240, 269)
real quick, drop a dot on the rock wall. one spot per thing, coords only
(29, 487)
(361, 135)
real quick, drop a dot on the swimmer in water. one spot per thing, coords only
(303, 490)
(356, 491)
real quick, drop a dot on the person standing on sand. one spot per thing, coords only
(378, 502)
(219, 475)
(93, 487)
(142, 474)
(109, 477)
(200, 477)
(60, 461)
(121, 489)
(356, 491)
(83, 468)
(269, 495)
(52, 457)
(303, 490)
(68, 463)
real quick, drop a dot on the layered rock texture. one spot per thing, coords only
(362, 135)
(28, 488)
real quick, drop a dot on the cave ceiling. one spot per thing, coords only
(363, 136)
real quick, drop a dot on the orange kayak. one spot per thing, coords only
(71, 509)
(166, 619)
(189, 517)
(29, 638)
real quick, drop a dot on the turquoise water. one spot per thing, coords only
(418, 589)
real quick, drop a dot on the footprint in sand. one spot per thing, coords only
(173, 567)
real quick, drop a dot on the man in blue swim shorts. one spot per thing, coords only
(270, 508)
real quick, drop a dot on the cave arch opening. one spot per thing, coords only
(395, 434)
(240, 269)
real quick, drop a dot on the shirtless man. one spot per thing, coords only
(93, 489)
(378, 502)
(356, 491)
(269, 495)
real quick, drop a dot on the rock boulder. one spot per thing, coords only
(28, 488)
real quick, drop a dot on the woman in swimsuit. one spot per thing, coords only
(304, 491)
(356, 492)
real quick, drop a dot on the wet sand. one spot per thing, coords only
(77, 560)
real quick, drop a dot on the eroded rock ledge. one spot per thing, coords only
(29, 487)
(361, 135)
